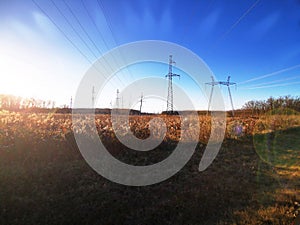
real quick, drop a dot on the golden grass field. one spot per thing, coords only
(255, 179)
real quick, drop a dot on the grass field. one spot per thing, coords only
(255, 178)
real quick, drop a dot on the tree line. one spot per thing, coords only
(273, 104)
(11, 102)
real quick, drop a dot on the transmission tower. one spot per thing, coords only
(170, 76)
(141, 103)
(212, 83)
(226, 83)
(71, 102)
(93, 96)
(117, 99)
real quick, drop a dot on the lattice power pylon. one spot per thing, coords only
(118, 99)
(170, 76)
(141, 103)
(226, 83)
(93, 97)
(71, 103)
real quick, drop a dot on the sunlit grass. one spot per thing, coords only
(45, 180)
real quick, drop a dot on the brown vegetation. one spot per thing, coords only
(44, 179)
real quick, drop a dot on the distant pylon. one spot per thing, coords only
(226, 83)
(212, 83)
(93, 96)
(118, 99)
(170, 76)
(71, 102)
(141, 103)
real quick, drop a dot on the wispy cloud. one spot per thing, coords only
(142, 21)
(209, 23)
(261, 28)
(273, 82)
(270, 74)
(132, 19)
(148, 21)
(274, 85)
(43, 24)
(166, 21)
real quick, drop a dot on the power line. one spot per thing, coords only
(91, 18)
(237, 22)
(62, 32)
(106, 16)
(107, 19)
(101, 36)
(66, 36)
(89, 37)
(79, 34)
(240, 19)
(78, 21)
(76, 32)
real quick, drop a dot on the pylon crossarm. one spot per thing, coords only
(213, 83)
(226, 83)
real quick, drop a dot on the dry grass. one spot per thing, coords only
(44, 179)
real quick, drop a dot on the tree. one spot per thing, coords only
(271, 103)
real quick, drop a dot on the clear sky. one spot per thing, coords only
(47, 46)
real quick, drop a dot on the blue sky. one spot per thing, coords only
(47, 46)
